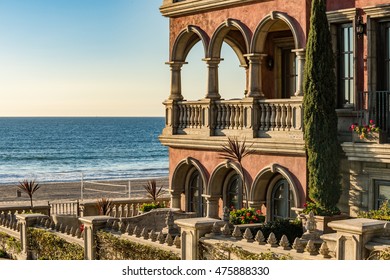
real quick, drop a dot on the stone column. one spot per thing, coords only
(212, 207)
(191, 231)
(255, 81)
(91, 225)
(300, 53)
(26, 221)
(176, 80)
(212, 81)
(175, 199)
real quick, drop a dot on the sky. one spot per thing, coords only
(94, 58)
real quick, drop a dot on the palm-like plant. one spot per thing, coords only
(29, 187)
(236, 151)
(104, 206)
(152, 190)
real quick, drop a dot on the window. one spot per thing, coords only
(346, 89)
(282, 199)
(234, 192)
(196, 202)
(289, 73)
(384, 57)
(382, 192)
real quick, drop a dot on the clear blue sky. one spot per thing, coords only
(92, 58)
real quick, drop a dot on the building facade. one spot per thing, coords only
(269, 39)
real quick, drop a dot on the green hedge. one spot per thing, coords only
(9, 245)
(48, 246)
(110, 247)
(383, 213)
(291, 229)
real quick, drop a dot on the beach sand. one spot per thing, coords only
(71, 191)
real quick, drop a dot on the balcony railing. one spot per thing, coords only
(256, 118)
(375, 106)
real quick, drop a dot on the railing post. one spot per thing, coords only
(91, 226)
(26, 221)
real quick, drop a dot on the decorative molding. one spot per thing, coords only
(170, 9)
(260, 145)
(377, 11)
(341, 15)
(367, 152)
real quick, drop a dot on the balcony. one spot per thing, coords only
(271, 125)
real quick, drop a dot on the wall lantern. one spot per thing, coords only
(360, 27)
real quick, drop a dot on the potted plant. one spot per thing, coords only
(246, 216)
(29, 187)
(370, 133)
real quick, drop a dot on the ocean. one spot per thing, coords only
(66, 149)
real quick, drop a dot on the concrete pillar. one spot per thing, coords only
(212, 81)
(212, 207)
(26, 221)
(255, 82)
(353, 235)
(175, 80)
(191, 231)
(301, 57)
(91, 225)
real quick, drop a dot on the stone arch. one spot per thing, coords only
(181, 171)
(260, 187)
(268, 23)
(186, 39)
(236, 34)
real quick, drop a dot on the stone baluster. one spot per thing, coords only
(311, 248)
(120, 211)
(237, 233)
(223, 116)
(137, 231)
(145, 234)
(297, 245)
(278, 117)
(268, 111)
(284, 243)
(177, 242)
(324, 250)
(152, 235)
(284, 117)
(169, 240)
(273, 117)
(226, 230)
(289, 117)
(161, 238)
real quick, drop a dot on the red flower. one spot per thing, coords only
(371, 121)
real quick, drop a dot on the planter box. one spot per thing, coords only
(374, 137)
(322, 222)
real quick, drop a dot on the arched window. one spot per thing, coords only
(196, 202)
(234, 194)
(282, 199)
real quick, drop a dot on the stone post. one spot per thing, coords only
(212, 81)
(175, 80)
(212, 207)
(175, 199)
(353, 235)
(26, 221)
(255, 82)
(191, 231)
(91, 225)
(300, 53)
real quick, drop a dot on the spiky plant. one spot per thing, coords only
(153, 191)
(29, 187)
(236, 151)
(104, 206)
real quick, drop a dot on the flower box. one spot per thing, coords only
(322, 222)
(373, 137)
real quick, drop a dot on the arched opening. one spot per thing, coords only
(233, 192)
(229, 43)
(278, 37)
(194, 74)
(232, 75)
(276, 188)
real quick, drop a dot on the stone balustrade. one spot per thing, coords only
(253, 117)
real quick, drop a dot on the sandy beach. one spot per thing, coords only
(71, 191)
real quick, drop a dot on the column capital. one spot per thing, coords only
(176, 63)
(215, 60)
(254, 56)
(299, 52)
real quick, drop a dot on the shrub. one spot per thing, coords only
(152, 190)
(246, 216)
(383, 213)
(291, 229)
(146, 207)
(318, 210)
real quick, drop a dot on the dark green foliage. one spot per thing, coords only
(29, 188)
(291, 229)
(146, 207)
(110, 247)
(320, 119)
(246, 216)
(319, 211)
(48, 246)
(383, 213)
